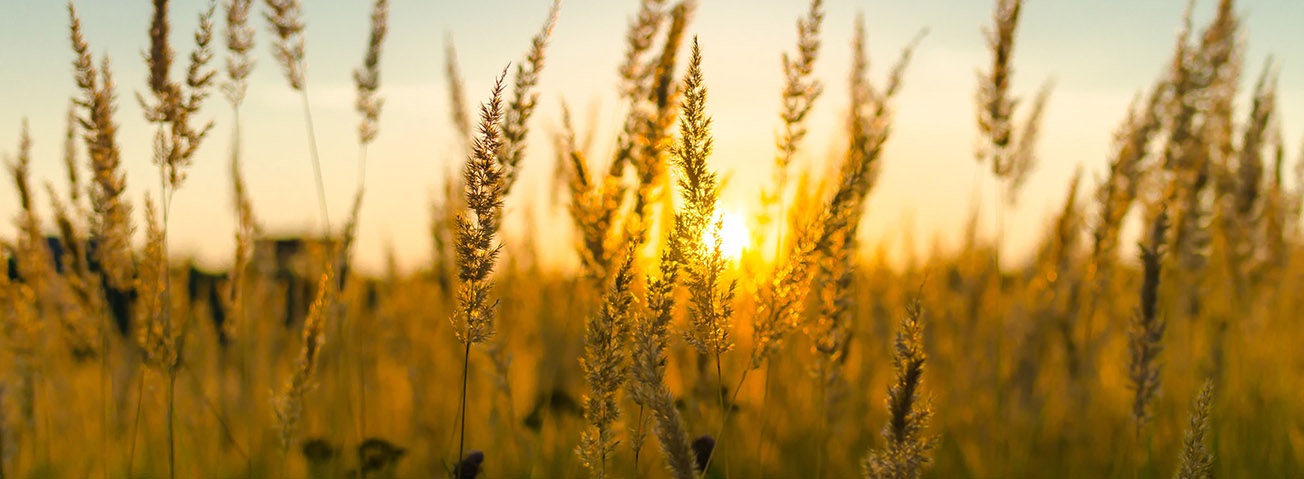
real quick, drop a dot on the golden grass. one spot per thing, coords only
(1076, 363)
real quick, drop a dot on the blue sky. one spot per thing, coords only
(1099, 53)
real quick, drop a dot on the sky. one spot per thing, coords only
(1098, 53)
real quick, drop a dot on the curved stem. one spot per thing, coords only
(720, 434)
(212, 408)
(135, 423)
(316, 162)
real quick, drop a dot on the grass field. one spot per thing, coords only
(687, 341)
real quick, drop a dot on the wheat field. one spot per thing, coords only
(683, 340)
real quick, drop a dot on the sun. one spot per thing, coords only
(733, 234)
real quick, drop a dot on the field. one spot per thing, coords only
(684, 340)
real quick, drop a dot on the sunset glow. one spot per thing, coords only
(733, 234)
(651, 239)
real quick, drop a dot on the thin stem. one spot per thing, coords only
(246, 381)
(1086, 362)
(350, 415)
(461, 442)
(45, 407)
(1002, 443)
(226, 429)
(1148, 468)
(1000, 199)
(362, 397)
(239, 313)
(285, 459)
(360, 362)
(720, 435)
(104, 400)
(642, 431)
(823, 432)
(724, 413)
(362, 168)
(165, 197)
(316, 163)
(135, 423)
(765, 399)
(172, 450)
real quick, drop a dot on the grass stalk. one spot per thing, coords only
(724, 413)
(765, 402)
(171, 418)
(135, 424)
(742, 379)
(316, 161)
(461, 436)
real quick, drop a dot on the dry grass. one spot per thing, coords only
(116, 361)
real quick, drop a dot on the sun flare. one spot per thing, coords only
(733, 235)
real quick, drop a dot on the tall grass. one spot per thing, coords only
(1074, 363)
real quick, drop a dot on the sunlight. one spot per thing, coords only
(733, 234)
